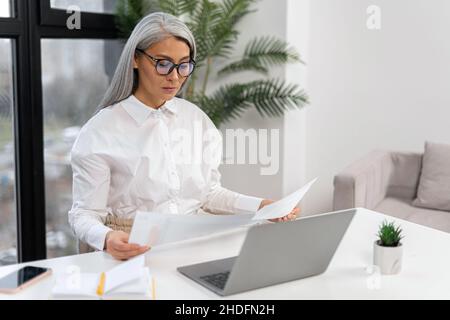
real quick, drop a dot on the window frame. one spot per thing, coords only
(33, 20)
(52, 17)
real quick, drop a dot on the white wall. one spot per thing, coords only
(270, 19)
(371, 89)
(295, 154)
(287, 20)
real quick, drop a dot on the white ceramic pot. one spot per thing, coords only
(388, 259)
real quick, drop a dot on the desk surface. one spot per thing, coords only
(425, 274)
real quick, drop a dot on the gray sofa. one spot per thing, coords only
(387, 182)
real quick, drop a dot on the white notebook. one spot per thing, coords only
(130, 279)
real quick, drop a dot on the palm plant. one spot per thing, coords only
(213, 24)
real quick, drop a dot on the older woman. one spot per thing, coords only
(134, 153)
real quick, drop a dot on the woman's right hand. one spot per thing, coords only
(116, 244)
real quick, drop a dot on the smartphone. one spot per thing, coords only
(22, 278)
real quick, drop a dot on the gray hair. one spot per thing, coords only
(151, 29)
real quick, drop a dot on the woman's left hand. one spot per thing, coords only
(290, 216)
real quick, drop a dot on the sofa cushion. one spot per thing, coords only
(405, 174)
(434, 185)
(402, 208)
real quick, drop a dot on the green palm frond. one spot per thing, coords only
(235, 10)
(174, 7)
(270, 98)
(127, 15)
(224, 32)
(274, 97)
(243, 65)
(205, 16)
(260, 54)
(213, 24)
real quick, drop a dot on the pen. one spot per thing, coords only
(101, 285)
(153, 288)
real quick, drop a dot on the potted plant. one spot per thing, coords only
(387, 250)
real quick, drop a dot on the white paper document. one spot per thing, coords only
(284, 206)
(153, 228)
(128, 279)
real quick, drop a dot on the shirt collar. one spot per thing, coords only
(140, 111)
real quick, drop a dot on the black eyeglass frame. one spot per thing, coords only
(174, 65)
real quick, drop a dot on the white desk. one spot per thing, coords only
(425, 274)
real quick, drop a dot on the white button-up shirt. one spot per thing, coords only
(131, 157)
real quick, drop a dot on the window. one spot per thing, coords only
(5, 8)
(33, 159)
(8, 230)
(75, 76)
(98, 6)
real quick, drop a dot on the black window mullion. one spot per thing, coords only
(64, 33)
(30, 186)
(10, 27)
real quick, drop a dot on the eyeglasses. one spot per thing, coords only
(165, 66)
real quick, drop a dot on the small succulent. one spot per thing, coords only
(389, 235)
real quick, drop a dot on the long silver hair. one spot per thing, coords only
(151, 29)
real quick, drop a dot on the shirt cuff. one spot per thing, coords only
(96, 236)
(246, 204)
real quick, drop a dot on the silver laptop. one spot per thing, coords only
(275, 253)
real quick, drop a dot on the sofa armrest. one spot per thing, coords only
(364, 183)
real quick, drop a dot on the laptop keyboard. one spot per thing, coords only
(217, 279)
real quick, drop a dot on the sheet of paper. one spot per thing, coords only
(138, 287)
(284, 206)
(147, 227)
(124, 273)
(152, 228)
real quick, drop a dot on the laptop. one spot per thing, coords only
(274, 253)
